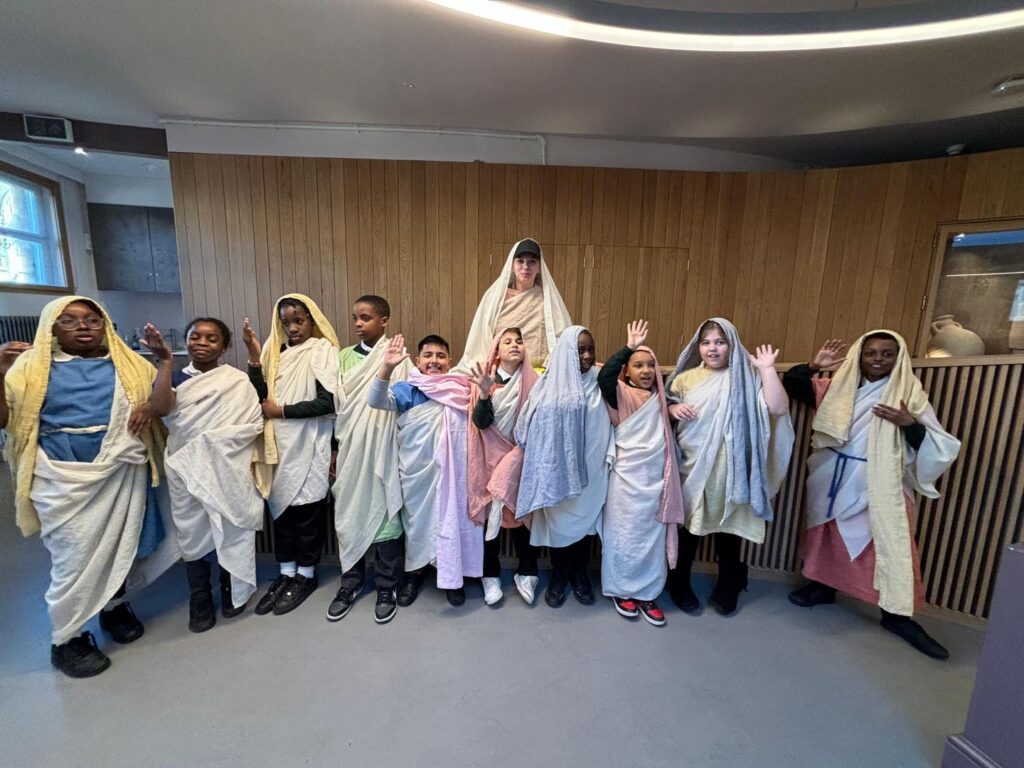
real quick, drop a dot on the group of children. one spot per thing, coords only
(427, 462)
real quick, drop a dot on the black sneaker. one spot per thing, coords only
(813, 593)
(581, 588)
(387, 605)
(343, 602)
(201, 615)
(121, 624)
(914, 633)
(79, 656)
(410, 589)
(298, 589)
(456, 596)
(554, 595)
(276, 588)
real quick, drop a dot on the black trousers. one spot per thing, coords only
(299, 533)
(727, 547)
(526, 552)
(571, 560)
(387, 567)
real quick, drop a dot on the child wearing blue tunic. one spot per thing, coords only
(78, 421)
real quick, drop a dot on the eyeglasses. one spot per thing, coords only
(91, 322)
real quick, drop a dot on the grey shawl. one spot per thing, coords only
(551, 431)
(749, 484)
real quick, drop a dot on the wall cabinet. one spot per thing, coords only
(134, 248)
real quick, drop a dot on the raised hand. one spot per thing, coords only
(830, 356)
(395, 353)
(153, 340)
(9, 353)
(901, 416)
(682, 412)
(482, 377)
(764, 357)
(252, 342)
(636, 333)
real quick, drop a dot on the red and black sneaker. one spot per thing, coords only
(652, 613)
(626, 606)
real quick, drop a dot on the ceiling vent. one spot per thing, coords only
(45, 128)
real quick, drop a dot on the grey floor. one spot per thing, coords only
(476, 686)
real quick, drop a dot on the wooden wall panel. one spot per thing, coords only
(792, 257)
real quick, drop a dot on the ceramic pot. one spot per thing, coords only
(951, 339)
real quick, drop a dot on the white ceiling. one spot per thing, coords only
(107, 163)
(350, 61)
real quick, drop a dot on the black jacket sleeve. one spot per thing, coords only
(608, 376)
(915, 434)
(483, 414)
(257, 381)
(797, 383)
(321, 405)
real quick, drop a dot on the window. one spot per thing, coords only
(32, 246)
(976, 303)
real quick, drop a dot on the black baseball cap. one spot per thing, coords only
(527, 245)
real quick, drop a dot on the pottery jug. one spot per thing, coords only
(951, 339)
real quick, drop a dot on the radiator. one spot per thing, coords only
(17, 328)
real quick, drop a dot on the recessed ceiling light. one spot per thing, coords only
(522, 17)
(409, 85)
(1010, 86)
(81, 151)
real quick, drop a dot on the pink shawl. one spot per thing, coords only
(459, 552)
(494, 467)
(630, 399)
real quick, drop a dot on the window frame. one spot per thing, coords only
(944, 232)
(53, 186)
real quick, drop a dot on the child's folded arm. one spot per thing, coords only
(321, 405)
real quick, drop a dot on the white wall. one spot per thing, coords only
(133, 310)
(128, 190)
(399, 143)
(76, 220)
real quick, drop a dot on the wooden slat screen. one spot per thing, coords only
(960, 535)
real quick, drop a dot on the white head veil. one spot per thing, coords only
(485, 321)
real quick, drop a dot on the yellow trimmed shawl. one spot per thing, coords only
(25, 389)
(894, 573)
(270, 358)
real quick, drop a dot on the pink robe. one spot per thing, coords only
(827, 560)
(494, 464)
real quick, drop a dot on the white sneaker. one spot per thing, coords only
(492, 590)
(527, 586)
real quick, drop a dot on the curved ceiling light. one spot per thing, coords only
(550, 23)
